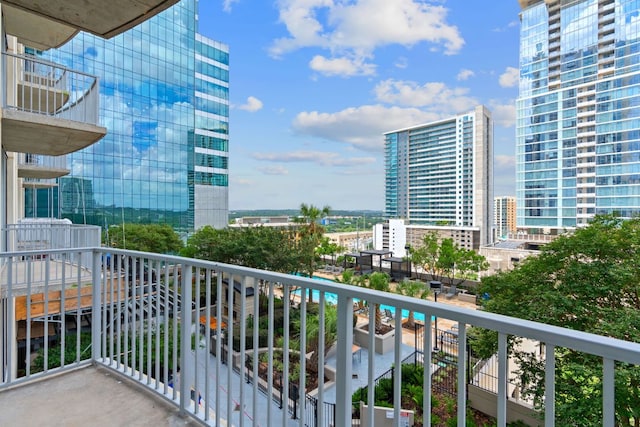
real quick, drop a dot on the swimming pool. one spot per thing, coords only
(333, 300)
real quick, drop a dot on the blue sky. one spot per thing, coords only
(315, 83)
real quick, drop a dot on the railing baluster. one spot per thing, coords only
(243, 342)
(185, 338)
(230, 328)
(256, 345)
(371, 346)
(96, 308)
(462, 377)
(219, 333)
(284, 384)
(270, 331)
(302, 387)
(320, 367)
(550, 387)
(344, 360)
(397, 378)
(502, 380)
(426, 360)
(608, 393)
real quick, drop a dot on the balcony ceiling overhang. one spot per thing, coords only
(40, 172)
(102, 18)
(35, 31)
(37, 134)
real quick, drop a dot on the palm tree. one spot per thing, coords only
(309, 237)
(379, 282)
(310, 215)
(313, 334)
(413, 289)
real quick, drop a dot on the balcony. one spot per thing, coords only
(44, 24)
(48, 109)
(146, 314)
(38, 167)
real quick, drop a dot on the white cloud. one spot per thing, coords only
(510, 77)
(465, 74)
(503, 161)
(402, 63)
(273, 170)
(344, 67)
(362, 127)
(252, 105)
(503, 114)
(226, 5)
(356, 28)
(432, 96)
(322, 158)
(509, 25)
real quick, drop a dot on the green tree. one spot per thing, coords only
(158, 238)
(309, 237)
(457, 264)
(413, 289)
(266, 248)
(380, 282)
(313, 333)
(588, 281)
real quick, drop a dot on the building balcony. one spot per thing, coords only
(48, 109)
(156, 329)
(43, 24)
(37, 167)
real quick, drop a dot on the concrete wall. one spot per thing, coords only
(487, 402)
(383, 343)
(383, 417)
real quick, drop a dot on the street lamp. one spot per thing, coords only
(407, 249)
(436, 287)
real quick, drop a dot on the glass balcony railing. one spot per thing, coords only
(222, 342)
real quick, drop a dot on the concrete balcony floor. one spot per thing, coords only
(89, 396)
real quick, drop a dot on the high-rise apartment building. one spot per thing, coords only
(504, 216)
(578, 121)
(165, 101)
(441, 173)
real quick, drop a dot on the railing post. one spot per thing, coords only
(185, 336)
(344, 361)
(96, 306)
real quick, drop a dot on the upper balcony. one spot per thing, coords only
(38, 167)
(44, 24)
(46, 108)
(161, 323)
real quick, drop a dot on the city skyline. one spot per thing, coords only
(315, 85)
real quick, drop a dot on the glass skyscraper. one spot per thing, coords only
(578, 112)
(441, 173)
(165, 102)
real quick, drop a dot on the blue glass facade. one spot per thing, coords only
(165, 103)
(578, 121)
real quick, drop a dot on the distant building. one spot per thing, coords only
(504, 216)
(271, 221)
(392, 236)
(505, 255)
(441, 173)
(164, 96)
(353, 241)
(577, 137)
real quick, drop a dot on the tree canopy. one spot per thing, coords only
(157, 238)
(589, 281)
(266, 248)
(445, 260)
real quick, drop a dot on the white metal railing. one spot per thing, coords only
(140, 303)
(41, 87)
(42, 161)
(43, 234)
